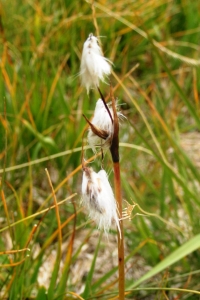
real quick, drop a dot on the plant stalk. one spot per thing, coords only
(114, 149)
(117, 183)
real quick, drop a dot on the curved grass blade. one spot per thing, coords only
(187, 248)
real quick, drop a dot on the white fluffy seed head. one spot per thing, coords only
(94, 66)
(102, 120)
(98, 198)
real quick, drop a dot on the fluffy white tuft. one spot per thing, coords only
(94, 66)
(98, 198)
(102, 120)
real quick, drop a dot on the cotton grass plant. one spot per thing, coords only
(96, 190)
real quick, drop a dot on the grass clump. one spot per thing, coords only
(41, 127)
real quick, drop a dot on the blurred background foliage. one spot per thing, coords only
(41, 107)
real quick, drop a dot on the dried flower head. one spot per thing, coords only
(94, 66)
(104, 124)
(98, 198)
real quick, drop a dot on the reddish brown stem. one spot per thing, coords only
(114, 149)
(117, 182)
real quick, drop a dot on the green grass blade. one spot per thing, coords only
(187, 248)
(88, 285)
(41, 294)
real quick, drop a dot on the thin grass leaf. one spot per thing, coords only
(65, 272)
(46, 141)
(88, 285)
(192, 245)
(42, 295)
(54, 277)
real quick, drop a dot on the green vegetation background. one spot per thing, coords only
(41, 106)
